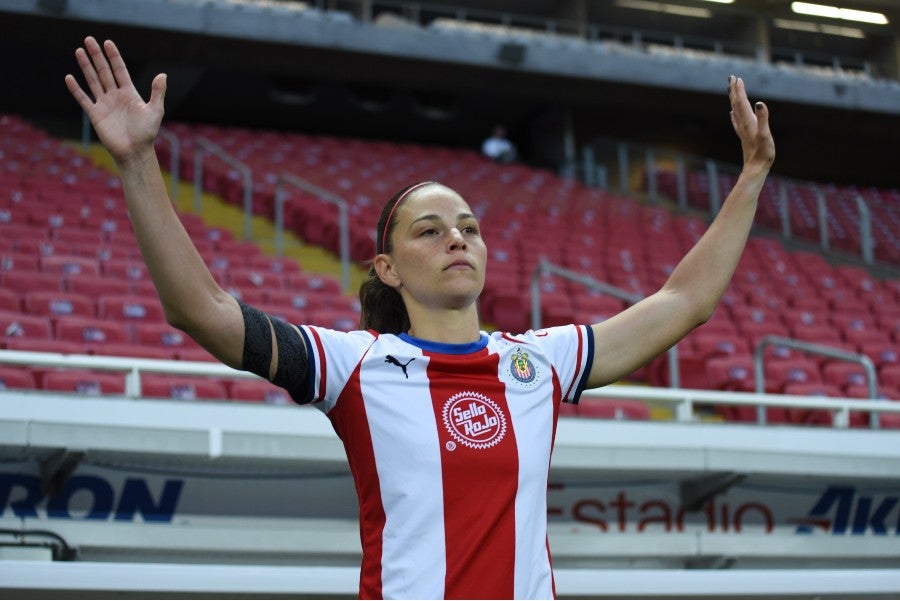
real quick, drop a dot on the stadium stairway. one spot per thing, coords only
(215, 212)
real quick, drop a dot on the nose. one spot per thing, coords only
(457, 242)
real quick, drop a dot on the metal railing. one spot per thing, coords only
(204, 146)
(325, 196)
(813, 349)
(627, 157)
(680, 400)
(546, 268)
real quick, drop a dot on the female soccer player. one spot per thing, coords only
(448, 429)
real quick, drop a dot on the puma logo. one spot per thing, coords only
(393, 361)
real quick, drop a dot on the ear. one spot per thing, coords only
(384, 267)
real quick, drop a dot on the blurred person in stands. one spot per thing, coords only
(498, 147)
(448, 429)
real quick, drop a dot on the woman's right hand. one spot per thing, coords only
(126, 125)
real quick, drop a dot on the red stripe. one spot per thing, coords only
(351, 424)
(480, 484)
(320, 351)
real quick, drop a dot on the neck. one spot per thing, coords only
(454, 326)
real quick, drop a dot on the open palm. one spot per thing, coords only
(125, 123)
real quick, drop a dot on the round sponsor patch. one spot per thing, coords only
(474, 420)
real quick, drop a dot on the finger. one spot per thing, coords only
(101, 65)
(117, 64)
(740, 104)
(90, 75)
(762, 117)
(158, 91)
(80, 97)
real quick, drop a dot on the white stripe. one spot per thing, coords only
(532, 420)
(409, 476)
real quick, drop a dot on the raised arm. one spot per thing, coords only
(127, 127)
(692, 292)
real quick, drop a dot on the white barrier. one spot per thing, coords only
(326, 581)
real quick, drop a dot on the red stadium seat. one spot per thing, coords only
(69, 265)
(97, 286)
(621, 409)
(163, 335)
(19, 325)
(43, 345)
(31, 281)
(16, 377)
(93, 331)
(781, 373)
(183, 388)
(731, 372)
(118, 349)
(10, 301)
(131, 308)
(84, 382)
(59, 304)
(259, 391)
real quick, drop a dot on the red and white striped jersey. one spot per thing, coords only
(449, 446)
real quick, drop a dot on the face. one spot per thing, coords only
(438, 256)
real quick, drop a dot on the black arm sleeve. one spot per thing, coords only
(293, 364)
(293, 368)
(257, 356)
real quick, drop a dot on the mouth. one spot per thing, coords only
(458, 265)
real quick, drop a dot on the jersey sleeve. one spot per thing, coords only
(333, 356)
(570, 349)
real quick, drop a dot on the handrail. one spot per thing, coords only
(204, 145)
(816, 349)
(322, 194)
(865, 229)
(546, 267)
(174, 161)
(681, 400)
(132, 367)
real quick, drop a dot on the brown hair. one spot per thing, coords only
(381, 307)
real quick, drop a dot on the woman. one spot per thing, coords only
(448, 430)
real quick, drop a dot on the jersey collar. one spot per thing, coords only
(446, 348)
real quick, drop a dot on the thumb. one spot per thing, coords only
(158, 91)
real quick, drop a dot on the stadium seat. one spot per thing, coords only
(84, 382)
(69, 265)
(97, 286)
(42, 345)
(163, 335)
(890, 375)
(31, 281)
(781, 373)
(118, 349)
(344, 321)
(620, 409)
(130, 308)
(299, 300)
(59, 304)
(731, 372)
(821, 417)
(259, 391)
(15, 324)
(182, 388)
(16, 378)
(10, 301)
(92, 330)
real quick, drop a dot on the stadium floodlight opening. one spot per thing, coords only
(662, 7)
(847, 32)
(834, 12)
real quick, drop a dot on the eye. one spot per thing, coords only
(430, 231)
(470, 229)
